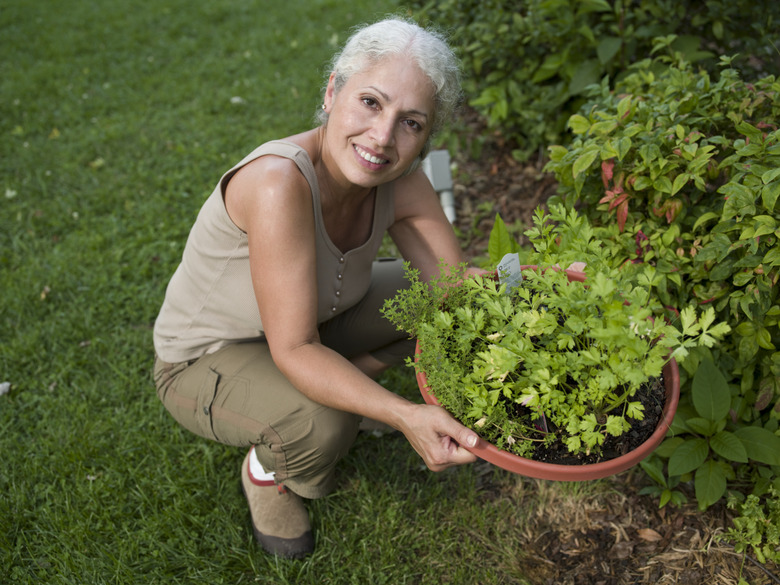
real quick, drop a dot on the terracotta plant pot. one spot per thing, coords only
(541, 470)
(560, 472)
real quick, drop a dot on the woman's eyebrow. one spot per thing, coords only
(386, 97)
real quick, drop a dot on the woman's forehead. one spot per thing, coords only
(396, 77)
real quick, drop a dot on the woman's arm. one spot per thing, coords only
(421, 231)
(271, 201)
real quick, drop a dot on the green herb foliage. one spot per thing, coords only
(552, 360)
(757, 528)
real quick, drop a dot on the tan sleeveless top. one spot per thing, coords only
(210, 301)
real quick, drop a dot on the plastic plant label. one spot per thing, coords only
(509, 271)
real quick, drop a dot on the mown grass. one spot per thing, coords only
(116, 120)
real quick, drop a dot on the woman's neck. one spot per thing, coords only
(335, 188)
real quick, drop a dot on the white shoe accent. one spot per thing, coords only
(256, 469)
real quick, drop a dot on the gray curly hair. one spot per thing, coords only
(396, 36)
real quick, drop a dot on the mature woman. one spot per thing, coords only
(270, 335)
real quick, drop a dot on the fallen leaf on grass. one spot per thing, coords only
(649, 535)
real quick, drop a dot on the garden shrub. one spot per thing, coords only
(528, 63)
(681, 171)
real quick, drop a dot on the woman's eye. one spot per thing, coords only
(371, 102)
(413, 124)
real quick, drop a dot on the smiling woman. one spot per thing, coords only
(270, 335)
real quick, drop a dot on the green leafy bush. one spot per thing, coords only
(528, 63)
(681, 171)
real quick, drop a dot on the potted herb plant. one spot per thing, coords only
(565, 375)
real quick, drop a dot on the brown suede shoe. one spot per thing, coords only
(279, 518)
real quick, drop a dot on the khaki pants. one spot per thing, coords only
(237, 395)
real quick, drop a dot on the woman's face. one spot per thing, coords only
(378, 122)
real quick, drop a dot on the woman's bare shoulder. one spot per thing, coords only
(268, 184)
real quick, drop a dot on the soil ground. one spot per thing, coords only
(615, 536)
(609, 534)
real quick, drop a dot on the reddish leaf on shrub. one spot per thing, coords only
(642, 244)
(622, 214)
(673, 209)
(606, 171)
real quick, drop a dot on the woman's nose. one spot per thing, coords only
(383, 130)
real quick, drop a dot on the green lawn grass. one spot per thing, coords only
(117, 118)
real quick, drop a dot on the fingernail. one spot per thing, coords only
(472, 441)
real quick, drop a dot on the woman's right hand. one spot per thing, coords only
(437, 437)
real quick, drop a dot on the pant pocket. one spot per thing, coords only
(205, 403)
(223, 413)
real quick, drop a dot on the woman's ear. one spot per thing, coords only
(330, 92)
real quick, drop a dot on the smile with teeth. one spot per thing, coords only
(369, 157)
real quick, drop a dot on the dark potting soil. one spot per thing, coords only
(652, 396)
